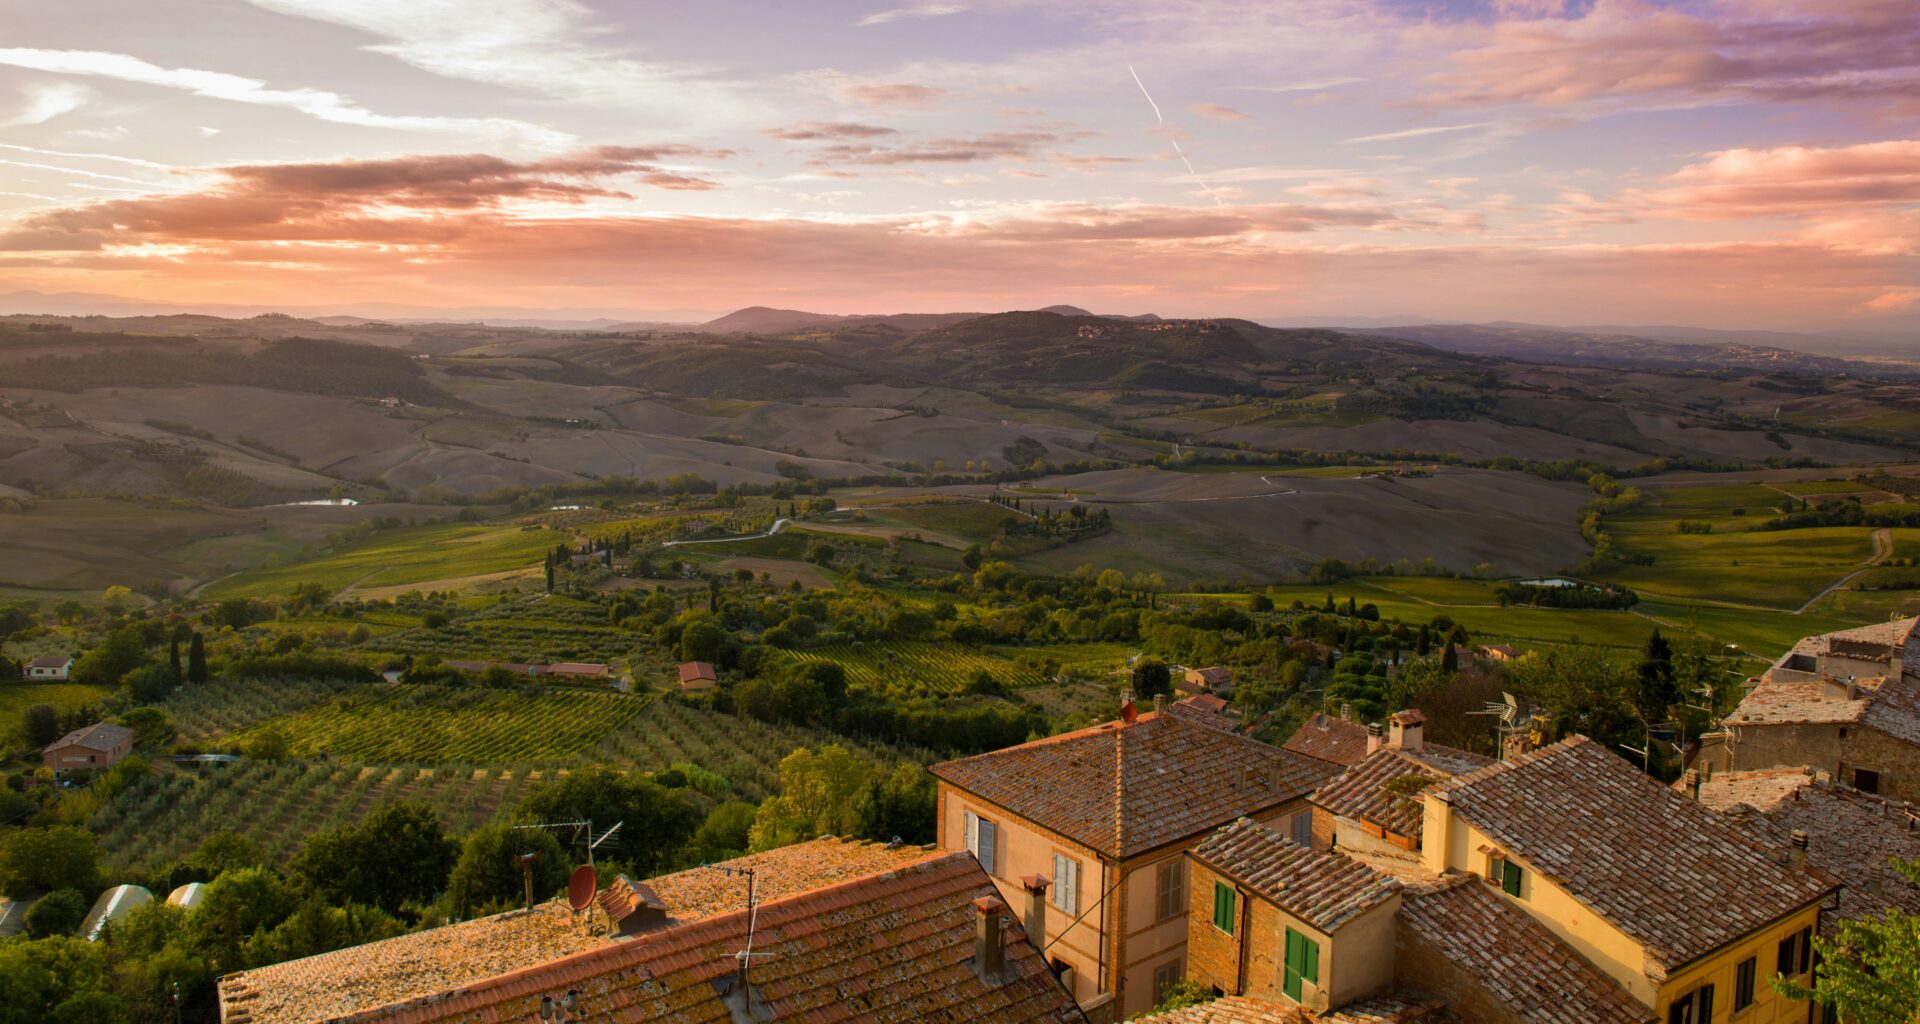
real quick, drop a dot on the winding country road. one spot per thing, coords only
(1882, 550)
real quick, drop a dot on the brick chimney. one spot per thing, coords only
(1407, 731)
(1346, 711)
(1159, 703)
(1374, 736)
(1691, 780)
(989, 940)
(1797, 850)
(1036, 918)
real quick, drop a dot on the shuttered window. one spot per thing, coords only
(1225, 907)
(1066, 884)
(980, 840)
(1170, 899)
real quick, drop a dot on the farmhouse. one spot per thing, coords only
(1847, 703)
(696, 676)
(1217, 679)
(97, 746)
(51, 668)
(575, 669)
(1098, 821)
(1499, 653)
(952, 952)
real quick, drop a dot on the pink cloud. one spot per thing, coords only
(1217, 112)
(814, 131)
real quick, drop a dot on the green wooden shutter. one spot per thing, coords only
(1510, 880)
(1310, 964)
(1223, 907)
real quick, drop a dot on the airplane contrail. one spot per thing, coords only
(1176, 142)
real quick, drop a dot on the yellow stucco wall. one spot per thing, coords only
(1769, 1007)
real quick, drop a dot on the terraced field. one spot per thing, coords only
(408, 554)
(425, 724)
(166, 816)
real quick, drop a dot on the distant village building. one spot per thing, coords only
(575, 670)
(49, 668)
(1499, 653)
(1847, 703)
(698, 676)
(97, 746)
(1216, 679)
(1098, 820)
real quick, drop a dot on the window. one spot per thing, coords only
(1303, 828)
(1165, 977)
(1302, 965)
(1510, 878)
(980, 840)
(1796, 953)
(1743, 984)
(1171, 892)
(1066, 884)
(1696, 1007)
(1866, 780)
(1225, 907)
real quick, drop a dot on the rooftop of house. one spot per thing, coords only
(1850, 835)
(1538, 978)
(693, 670)
(892, 946)
(1673, 875)
(410, 966)
(51, 661)
(1214, 674)
(1366, 791)
(1338, 740)
(98, 736)
(1889, 636)
(1890, 704)
(1212, 704)
(1248, 1010)
(1124, 789)
(1326, 890)
(575, 668)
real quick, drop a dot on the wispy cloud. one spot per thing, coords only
(1415, 133)
(913, 11)
(48, 100)
(1313, 86)
(1217, 112)
(316, 103)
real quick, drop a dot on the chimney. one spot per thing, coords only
(1797, 850)
(1692, 779)
(1346, 711)
(1036, 919)
(990, 941)
(1373, 736)
(1408, 729)
(1159, 703)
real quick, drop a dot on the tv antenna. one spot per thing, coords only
(580, 837)
(1506, 715)
(740, 989)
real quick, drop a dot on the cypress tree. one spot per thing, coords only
(1450, 660)
(197, 659)
(549, 574)
(173, 657)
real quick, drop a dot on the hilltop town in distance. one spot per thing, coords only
(1262, 674)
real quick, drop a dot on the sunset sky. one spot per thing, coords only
(1734, 163)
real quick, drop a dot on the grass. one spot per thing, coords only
(422, 724)
(917, 669)
(16, 698)
(413, 554)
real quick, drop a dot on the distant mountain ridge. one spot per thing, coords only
(767, 320)
(1718, 350)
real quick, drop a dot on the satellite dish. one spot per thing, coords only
(581, 887)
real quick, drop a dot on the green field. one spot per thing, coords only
(18, 697)
(425, 724)
(916, 669)
(410, 554)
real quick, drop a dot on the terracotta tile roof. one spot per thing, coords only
(1668, 872)
(1890, 635)
(691, 671)
(703, 892)
(408, 966)
(98, 736)
(1515, 959)
(1248, 1010)
(1850, 835)
(1323, 889)
(1328, 738)
(896, 946)
(1795, 703)
(1360, 793)
(1125, 789)
(1895, 709)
